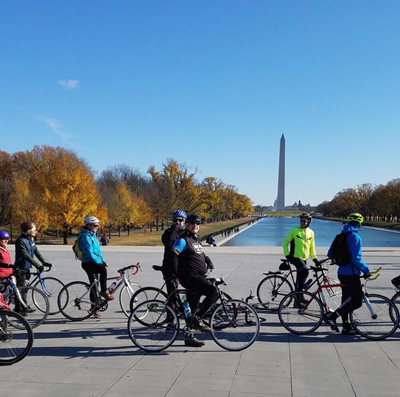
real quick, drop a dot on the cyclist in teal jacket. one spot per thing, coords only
(93, 261)
(349, 275)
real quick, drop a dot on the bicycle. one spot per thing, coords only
(16, 335)
(74, 301)
(376, 319)
(154, 293)
(273, 288)
(50, 286)
(31, 302)
(154, 325)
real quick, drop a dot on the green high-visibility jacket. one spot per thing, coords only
(302, 244)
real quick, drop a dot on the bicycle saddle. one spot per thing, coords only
(157, 267)
(217, 281)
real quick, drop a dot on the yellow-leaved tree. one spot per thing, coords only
(62, 183)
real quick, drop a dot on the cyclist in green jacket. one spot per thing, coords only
(302, 245)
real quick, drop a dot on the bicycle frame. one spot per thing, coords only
(122, 278)
(42, 282)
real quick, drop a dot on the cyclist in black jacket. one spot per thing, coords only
(192, 263)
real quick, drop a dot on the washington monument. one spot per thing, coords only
(280, 201)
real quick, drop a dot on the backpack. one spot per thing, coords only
(339, 251)
(77, 250)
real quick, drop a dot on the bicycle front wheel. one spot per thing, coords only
(235, 325)
(125, 296)
(16, 337)
(74, 301)
(146, 294)
(377, 318)
(51, 287)
(35, 306)
(300, 320)
(160, 329)
(272, 289)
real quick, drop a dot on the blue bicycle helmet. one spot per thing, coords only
(4, 235)
(179, 214)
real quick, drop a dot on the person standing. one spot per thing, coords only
(302, 245)
(104, 239)
(25, 252)
(349, 275)
(93, 260)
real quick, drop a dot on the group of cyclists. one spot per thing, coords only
(299, 244)
(185, 262)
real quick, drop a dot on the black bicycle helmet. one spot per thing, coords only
(193, 218)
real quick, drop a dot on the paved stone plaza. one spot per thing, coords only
(97, 358)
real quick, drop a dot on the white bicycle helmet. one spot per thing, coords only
(90, 220)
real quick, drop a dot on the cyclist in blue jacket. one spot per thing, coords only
(349, 275)
(93, 260)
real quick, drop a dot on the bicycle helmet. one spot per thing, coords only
(307, 216)
(90, 219)
(193, 218)
(4, 235)
(355, 217)
(27, 227)
(179, 214)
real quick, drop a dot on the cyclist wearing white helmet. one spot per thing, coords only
(93, 260)
(349, 275)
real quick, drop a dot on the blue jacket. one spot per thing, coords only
(356, 266)
(90, 247)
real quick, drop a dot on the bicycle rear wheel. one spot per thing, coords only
(37, 305)
(272, 289)
(125, 296)
(378, 324)
(51, 287)
(160, 329)
(145, 294)
(235, 325)
(74, 301)
(16, 337)
(300, 321)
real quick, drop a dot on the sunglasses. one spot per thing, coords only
(194, 223)
(95, 225)
(180, 220)
(304, 220)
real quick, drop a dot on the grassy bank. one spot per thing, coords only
(154, 238)
(380, 225)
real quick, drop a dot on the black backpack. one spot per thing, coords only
(339, 251)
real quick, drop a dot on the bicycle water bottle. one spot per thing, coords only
(186, 307)
(111, 287)
(307, 284)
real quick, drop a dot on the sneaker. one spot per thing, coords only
(348, 329)
(193, 342)
(197, 324)
(298, 304)
(29, 310)
(328, 319)
(95, 314)
(106, 295)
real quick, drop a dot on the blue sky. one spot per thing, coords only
(212, 84)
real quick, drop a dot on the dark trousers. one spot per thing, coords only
(91, 269)
(351, 295)
(302, 272)
(22, 281)
(198, 286)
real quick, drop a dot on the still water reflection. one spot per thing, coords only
(270, 232)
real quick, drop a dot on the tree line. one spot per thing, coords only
(55, 188)
(376, 203)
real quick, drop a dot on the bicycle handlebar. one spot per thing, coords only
(137, 268)
(374, 272)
